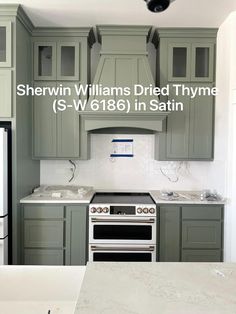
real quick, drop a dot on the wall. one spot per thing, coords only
(222, 172)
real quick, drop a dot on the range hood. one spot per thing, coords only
(124, 63)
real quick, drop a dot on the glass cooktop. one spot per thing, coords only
(122, 198)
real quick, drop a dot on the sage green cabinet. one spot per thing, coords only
(6, 93)
(189, 133)
(56, 135)
(186, 56)
(54, 234)
(169, 239)
(43, 257)
(191, 233)
(56, 61)
(5, 44)
(76, 235)
(190, 61)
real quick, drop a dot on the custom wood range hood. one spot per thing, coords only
(123, 63)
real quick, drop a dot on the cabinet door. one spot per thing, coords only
(45, 61)
(5, 44)
(68, 128)
(45, 125)
(43, 234)
(76, 235)
(43, 257)
(177, 138)
(196, 256)
(68, 61)
(201, 234)
(202, 62)
(179, 62)
(169, 233)
(201, 137)
(5, 94)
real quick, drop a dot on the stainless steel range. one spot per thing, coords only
(122, 227)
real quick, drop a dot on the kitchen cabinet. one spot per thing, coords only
(56, 135)
(54, 234)
(76, 235)
(190, 61)
(56, 61)
(191, 233)
(189, 133)
(6, 93)
(5, 44)
(187, 57)
(169, 239)
(61, 59)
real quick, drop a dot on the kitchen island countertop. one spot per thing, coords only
(151, 288)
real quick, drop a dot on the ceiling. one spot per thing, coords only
(181, 13)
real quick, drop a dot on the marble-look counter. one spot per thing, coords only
(151, 288)
(185, 197)
(31, 199)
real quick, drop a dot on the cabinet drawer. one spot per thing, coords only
(201, 256)
(43, 212)
(43, 234)
(209, 212)
(43, 257)
(6, 93)
(201, 234)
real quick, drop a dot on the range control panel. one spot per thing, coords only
(129, 210)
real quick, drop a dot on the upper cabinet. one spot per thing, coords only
(56, 61)
(61, 58)
(187, 56)
(190, 62)
(5, 44)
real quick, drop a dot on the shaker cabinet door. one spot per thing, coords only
(202, 62)
(179, 60)
(68, 61)
(5, 44)
(45, 61)
(201, 131)
(178, 130)
(45, 125)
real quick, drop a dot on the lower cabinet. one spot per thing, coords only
(54, 234)
(191, 233)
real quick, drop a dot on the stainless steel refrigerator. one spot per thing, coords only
(4, 193)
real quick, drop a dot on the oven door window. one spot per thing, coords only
(122, 257)
(122, 232)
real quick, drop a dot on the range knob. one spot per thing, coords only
(139, 210)
(105, 209)
(152, 210)
(99, 209)
(145, 210)
(93, 210)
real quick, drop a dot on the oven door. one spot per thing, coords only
(122, 230)
(122, 253)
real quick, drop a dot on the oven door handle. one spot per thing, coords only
(123, 248)
(141, 221)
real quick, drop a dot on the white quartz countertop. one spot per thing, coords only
(31, 199)
(185, 197)
(40, 289)
(151, 288)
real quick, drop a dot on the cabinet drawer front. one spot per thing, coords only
(209, 256)
(201, 234)
(43, 212)
(210, 212)
(6, 93)
(43, 257)
(43, 234)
